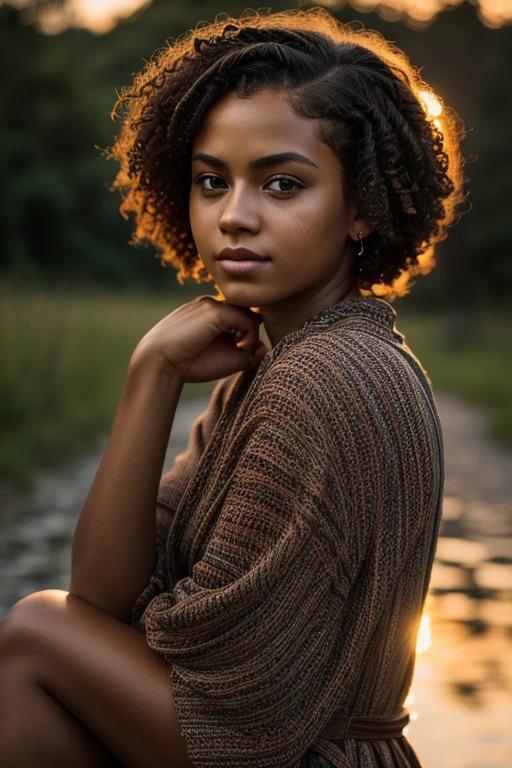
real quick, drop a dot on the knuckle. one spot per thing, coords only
(204, 301)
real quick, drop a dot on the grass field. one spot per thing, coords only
(64, 358)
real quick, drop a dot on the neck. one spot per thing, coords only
(291, 314)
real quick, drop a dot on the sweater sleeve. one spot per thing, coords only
(172, 487)
(251, 632)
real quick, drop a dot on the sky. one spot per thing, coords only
(101, 15)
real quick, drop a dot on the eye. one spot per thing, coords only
(210, 183)
(284, 185)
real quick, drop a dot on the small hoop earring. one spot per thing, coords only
(360, 236)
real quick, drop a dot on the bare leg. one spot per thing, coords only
(38, 730)
(78, 687)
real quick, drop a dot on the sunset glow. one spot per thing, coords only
(419, 13)
(99, 16)
(432, 105)
(102, 15)
(424, 640)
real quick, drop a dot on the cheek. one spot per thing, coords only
(298, 226)
(306, 236)
(319, 216)
(313, 237)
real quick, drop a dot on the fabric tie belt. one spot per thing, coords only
(342, 726)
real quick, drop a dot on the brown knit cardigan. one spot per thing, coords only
(295, 545)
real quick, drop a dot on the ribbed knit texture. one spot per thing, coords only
(294, 548)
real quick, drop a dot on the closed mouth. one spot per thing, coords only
(240, 254)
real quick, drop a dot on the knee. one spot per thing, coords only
(24, 625)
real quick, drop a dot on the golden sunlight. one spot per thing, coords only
(495, 13)
(102, 15)
(430, 103)
(419, 13)
(424, 639)
(432, 106)
(99, 16)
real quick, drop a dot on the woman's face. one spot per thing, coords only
(263, 182)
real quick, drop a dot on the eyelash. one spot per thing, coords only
(283, 177)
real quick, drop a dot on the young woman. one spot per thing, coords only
(266, 617)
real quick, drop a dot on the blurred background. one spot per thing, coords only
(75, 298)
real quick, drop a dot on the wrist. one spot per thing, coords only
(145, 364)
(147, 387)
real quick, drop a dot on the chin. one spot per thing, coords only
(241, 295)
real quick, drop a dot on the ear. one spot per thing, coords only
(357, 224)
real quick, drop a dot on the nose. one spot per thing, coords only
(240, 212)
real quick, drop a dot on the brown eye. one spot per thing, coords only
(284, 184)
(211, 183)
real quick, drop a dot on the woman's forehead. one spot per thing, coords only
(258, 126)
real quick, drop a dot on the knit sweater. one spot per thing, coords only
(295, 541)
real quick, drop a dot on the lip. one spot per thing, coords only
(241, 261)
(243, 266)
(240, 254)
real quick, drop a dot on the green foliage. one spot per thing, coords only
(59, 220)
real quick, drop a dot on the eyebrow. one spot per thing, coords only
(259, 162)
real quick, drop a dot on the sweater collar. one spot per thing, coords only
(378, 311)
(364, 306)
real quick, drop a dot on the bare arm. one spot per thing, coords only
(114, 545)
(113, 553)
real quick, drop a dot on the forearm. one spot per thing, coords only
(113, 553)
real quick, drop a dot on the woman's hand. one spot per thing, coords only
(203, 340)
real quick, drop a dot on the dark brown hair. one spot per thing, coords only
(402, 164)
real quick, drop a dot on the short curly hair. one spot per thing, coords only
(402, 164)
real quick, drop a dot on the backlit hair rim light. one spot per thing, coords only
(401, 156)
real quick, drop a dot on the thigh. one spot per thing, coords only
(103, 672)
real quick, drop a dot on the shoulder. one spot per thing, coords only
(342, 376)
(337, 358)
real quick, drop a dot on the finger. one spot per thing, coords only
(248, 358)
(241, 312)
(239, 321)
(258, 355)
(249, 343)
(249, 340)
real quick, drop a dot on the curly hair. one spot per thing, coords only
(402, 165)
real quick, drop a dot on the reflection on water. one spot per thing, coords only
(461, 697)
(424, 635)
